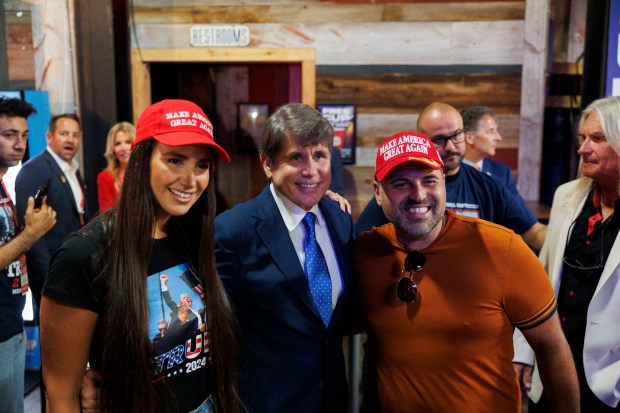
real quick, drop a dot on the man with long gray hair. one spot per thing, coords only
(582, 257)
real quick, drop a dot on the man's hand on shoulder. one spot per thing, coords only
(345, 206)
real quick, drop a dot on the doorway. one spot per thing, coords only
(218, 80)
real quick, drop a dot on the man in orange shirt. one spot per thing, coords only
(440, 294)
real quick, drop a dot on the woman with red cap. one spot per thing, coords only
(105, 294)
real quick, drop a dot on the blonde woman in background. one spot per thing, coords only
(117, 151)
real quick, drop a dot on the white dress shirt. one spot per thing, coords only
(70, 172)
(292, 215)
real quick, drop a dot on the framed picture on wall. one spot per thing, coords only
(343, 119)
(251, 118)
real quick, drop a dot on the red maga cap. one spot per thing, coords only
(405, 147)
(176, 122)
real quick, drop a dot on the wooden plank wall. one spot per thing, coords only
(20, 52)
(390, 58)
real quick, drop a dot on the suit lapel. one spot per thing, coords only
(275, 237)
(613, 261)
(81, 182)
(340, 250)
(569, 212)
(558, 257)
(62, 178)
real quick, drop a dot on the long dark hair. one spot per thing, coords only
(127, 352)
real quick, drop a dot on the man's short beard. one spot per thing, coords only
(452, 167)
(417, 229)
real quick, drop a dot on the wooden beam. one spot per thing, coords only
(405, 92)
(370, 43)
(308, 81)
(577, 30)
(372, 129)
(140, 85)
(533, 97)
(97, 86)
(312, 11)
(53, 34)
(227, 55)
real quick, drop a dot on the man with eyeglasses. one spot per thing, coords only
(439, 296)
(582, 257)
(468, 192)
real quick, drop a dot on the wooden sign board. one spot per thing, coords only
(213, 35)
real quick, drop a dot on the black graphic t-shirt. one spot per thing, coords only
(177, 322)
(13, 277)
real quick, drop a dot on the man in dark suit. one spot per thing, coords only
(481, 139)
(56, 169)
(291, 357)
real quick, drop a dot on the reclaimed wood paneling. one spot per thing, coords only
(17, 5)
(533, 98)
(372, 129)
(307, 12)
(374, 34)
(410, 93)
(470, 11)
(20, 53)
(140, 84)
(358, 182)
(424, 43)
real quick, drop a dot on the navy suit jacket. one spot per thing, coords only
(288, 360)
(43, 170)
(502, 173)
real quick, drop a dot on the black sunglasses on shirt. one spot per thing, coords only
(407, 289)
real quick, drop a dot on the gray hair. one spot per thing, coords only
(472, 114)
(607, 111)
(298, 122)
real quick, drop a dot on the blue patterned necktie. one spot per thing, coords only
(316, 270)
